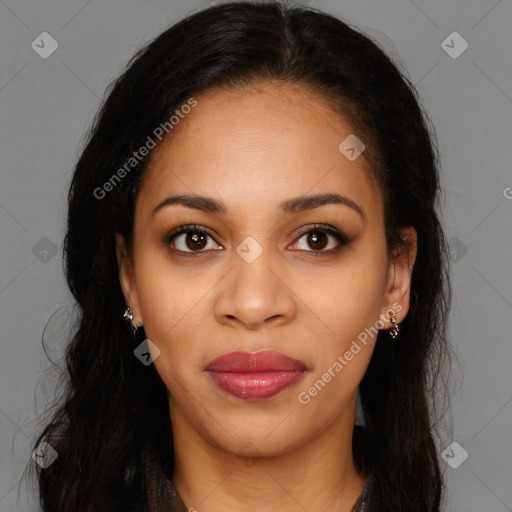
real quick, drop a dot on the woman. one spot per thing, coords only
(253, 244)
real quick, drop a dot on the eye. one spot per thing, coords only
(318, 238)
(193, 238)
(190, 238)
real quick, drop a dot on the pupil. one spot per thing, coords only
(315, 237)
(198, 240)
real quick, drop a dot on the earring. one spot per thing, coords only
(393, 332)
(128, 315)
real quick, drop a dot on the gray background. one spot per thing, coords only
(47, 104)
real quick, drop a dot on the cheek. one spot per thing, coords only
(356, 299)
(342, 356)
(349, 298)
(168, 303)
(349, 307)
(166, 294)
(167, 312)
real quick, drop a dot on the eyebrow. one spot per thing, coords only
(293, 205)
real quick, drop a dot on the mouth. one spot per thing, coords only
(255, 376)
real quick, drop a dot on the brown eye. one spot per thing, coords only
(189, 239)
(195, 240)
(317, 239)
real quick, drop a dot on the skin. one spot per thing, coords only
(253, 148)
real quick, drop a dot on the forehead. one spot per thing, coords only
(257, 145)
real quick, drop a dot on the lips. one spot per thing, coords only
(255, 376)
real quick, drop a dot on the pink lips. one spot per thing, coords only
(255, 376)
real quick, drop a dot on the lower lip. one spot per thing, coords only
(255, 385)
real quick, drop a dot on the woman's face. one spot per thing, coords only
(257, 281)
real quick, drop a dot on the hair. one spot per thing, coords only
(112, 429)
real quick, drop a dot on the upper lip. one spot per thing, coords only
(248, 362)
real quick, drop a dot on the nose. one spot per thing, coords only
(256, 293)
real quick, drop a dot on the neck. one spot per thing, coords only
(318, 475)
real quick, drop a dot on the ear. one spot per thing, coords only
(398, 289)
(127, 279)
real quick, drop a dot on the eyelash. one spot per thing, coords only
(340, 237)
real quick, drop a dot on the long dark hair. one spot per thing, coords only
(112, 430)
